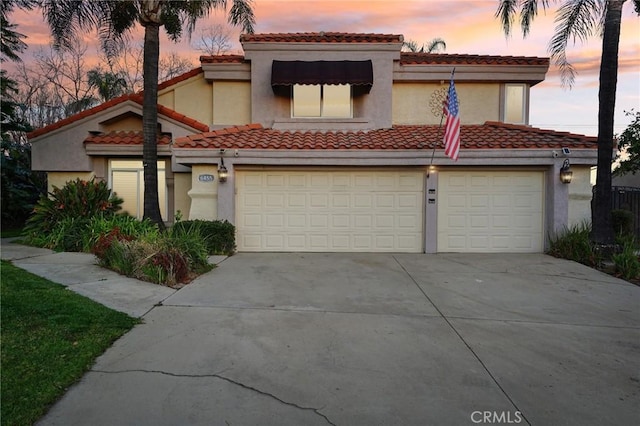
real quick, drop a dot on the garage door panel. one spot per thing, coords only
(479, 221)
(296, 241)
(296, 220)
(385, 201)
(485, 211)
(341, 201)
(275, 220)
(319, 221)
(330, 211)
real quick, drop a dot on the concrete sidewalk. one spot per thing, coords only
(370, 339)
(80, 273)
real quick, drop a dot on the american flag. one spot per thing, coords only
(452, 125)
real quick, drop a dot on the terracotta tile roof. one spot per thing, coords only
(409, 58)
(491, 135)
(177, 79)
(85, 113)
(134, 97)
(168, 112)
(124, 138)
(321, 37)
(221, 59)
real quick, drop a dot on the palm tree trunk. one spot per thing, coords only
(602, 232)
(150, 123)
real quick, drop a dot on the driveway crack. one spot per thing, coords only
(228, 380)
(473, 352)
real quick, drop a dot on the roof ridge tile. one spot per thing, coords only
(177, 79)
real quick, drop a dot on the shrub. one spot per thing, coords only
(106, 240)
(77, 199)
(125, 227)
(219, 236)
(575, 244)
(622, 222)
(84, 234)
(160, 258)
(627, 263)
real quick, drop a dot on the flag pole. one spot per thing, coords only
(433, 153)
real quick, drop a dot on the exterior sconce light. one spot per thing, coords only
(565, 172)
(222, 170)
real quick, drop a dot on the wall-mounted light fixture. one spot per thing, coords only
(222, 170)
(565, 172)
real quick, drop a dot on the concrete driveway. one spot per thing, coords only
(375, 339)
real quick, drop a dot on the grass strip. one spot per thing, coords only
(50, 338)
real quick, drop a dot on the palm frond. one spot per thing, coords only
(528, 12)
(507, 10)
(435, 45)
(195, 9)
(241, 13)
(10, 41)
(576, 20)
(68, 18)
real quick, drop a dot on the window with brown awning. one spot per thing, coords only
(356, 73)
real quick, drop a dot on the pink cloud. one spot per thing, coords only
(467, 27)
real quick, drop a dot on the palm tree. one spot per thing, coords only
(432, 47)
(11, 42)
(579, 19)
(114, 20)
(108, 84)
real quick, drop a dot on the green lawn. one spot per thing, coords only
(50, 337)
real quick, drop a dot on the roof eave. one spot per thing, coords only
(532, 74)
(541, 157)
(234, 71)
(120, 150)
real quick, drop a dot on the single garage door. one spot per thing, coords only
(490, 211)
(327, 211)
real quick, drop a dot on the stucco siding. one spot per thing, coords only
(580, 196)
(231, 103)
(412, 103)
(167, 99)
(59, 179)
(373, 110)
(61, 152)
(194, 99)
(126, 123)
(182, 201)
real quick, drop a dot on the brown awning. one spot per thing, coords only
(288, 73)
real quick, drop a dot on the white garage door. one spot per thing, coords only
(326, 211)
(490, 211)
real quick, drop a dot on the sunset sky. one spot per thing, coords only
(467, 26)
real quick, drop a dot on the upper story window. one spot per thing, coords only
(515, 104)
(321, 101)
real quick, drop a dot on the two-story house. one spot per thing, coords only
(325, 142)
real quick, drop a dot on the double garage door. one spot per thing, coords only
(327, 211)
(383, 211)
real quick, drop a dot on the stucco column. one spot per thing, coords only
(227, 194)
(204, 192)
(557, 201)
(431, 212)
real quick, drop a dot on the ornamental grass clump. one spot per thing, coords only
(219, 236)
(164, 258)
(627, 262)
(575, 244)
